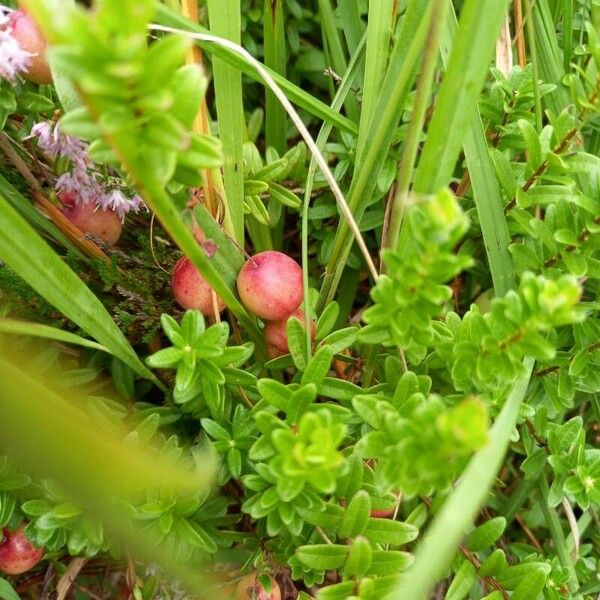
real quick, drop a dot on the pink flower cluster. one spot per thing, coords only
(13, 59)
(84, 182)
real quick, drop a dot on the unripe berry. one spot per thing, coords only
(31, 39)
(191, 290)
(270, 285)
(276, 334)
(89, 218)
(17, 553)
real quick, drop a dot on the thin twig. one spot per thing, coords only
(66, 581)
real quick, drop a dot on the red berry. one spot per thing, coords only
(190, 289)
(88, 218)
(30, 38)
(270, 285)
(276, 335)
(249, 588)
(17, 553)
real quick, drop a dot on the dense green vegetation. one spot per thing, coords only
(300, 299)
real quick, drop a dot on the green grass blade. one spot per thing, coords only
(469, 62)
(490, 208)
(33, 216)
(14, 326)
(225, 21)
(567, 34)
(352, 25)
(549, 56)
(335, 52)
(398, 81)
(276, 59)
(343, 91)
(436, 552)
(395, 210)
(379, 34)
(35, 262)
(170, 18)
(486, 190)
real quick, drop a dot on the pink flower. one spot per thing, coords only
(84, 182)
(13, 59)
(54, 143)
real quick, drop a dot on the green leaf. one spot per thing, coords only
(388, 531)
(327, 320)
(165, 359)
(284, 196)
(14, 326)
(355, 516)
(215, 430)
(486, 535)
(33, 260)
(494, 564)
(463, 581)
(359, 558)
(318, 366)
(322, 557)
(189, 84)
(296, 342)
(7, 592)
(341, 339)
(531, 585)
(389, 562)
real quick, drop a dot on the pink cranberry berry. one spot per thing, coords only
(276, 334)
(190, 289)
(270, 285)
(17, 553)
(89, 218)
(30, 38)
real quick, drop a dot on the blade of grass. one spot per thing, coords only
(436, 552)
(14, 326)
(550, 58)
(395, 208)
(379, 35)
(457, 99)
(343, 90)
(34, 217)
(303, 99)
(398, 82)
(225, 21)
(567, 34)
(486, 189)
(276, 59)
(352, 25)
(531, 38)
(34, 261)
(335, 52)
(558, 536)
